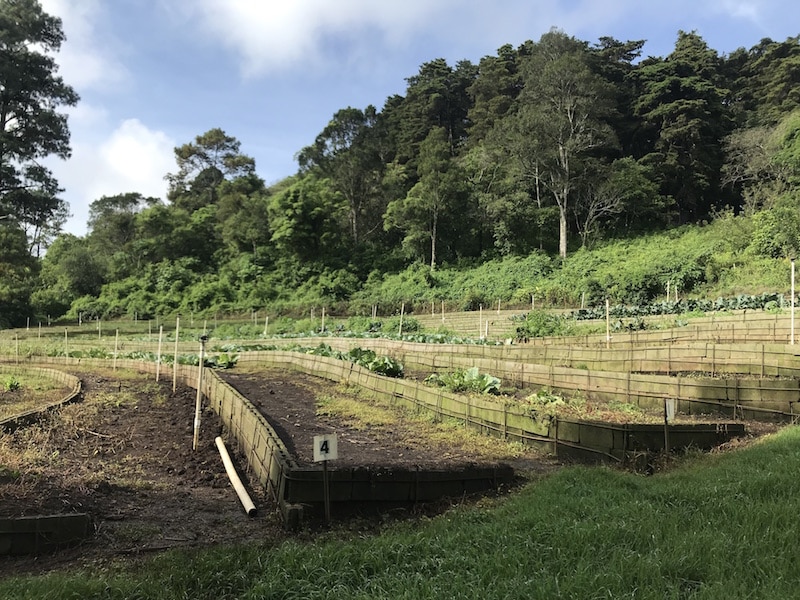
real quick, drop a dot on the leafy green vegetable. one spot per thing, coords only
(466, 380)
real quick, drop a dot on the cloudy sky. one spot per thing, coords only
(153, 74)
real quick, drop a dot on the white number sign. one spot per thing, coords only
(325, 447)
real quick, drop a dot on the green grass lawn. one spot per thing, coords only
(720, 526)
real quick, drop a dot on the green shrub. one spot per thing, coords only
(391, 326)
(538, 323)
(465, 380)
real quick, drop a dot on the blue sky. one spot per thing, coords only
(153, 74)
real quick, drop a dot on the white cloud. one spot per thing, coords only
(273, 36)
(85, 60)
(133, 158)
(136, 159)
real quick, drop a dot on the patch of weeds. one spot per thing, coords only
(11, 384)
(8, 474)
(116, 399)
(625, 408)
(134, 532)
(155, 392)
(357, 413)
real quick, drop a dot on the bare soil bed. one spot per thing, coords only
(124, 455)
(288, 400)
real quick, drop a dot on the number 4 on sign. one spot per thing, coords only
(325, 447)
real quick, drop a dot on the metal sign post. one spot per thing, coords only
(326, 448)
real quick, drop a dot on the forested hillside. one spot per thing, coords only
(579, 169)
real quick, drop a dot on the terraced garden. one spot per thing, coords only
(141, 461)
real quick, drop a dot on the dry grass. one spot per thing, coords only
(411, 429)
(21, 391)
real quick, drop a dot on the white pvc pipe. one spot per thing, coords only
(244, 497)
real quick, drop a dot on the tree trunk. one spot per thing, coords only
(434, 227)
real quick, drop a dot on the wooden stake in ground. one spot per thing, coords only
(116, 347)
(402, 312)
(608, 323)
(791, 333)
(199, 398)
(158, 354)
(175, 358)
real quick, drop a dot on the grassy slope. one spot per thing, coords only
(704, 261)
(722, 526)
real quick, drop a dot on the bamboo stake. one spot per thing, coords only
(116, 347)
(608, 323)
(791, 334)
(266, 325)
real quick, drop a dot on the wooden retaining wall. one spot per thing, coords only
(298, 490)
(511, 422)
(751, 396)
(14, 421)
(758, 360)
(34, 535)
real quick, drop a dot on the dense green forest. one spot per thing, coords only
(564, 168)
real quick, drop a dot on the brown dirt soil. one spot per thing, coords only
(124, 455)
(287, 400)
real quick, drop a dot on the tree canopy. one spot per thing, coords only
(542, 149)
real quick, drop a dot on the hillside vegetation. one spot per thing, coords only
(562, 168)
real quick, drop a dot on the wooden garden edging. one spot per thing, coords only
(751, 396)
(28, 416)
(572, 438)
(32, 535)
(298, 490)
